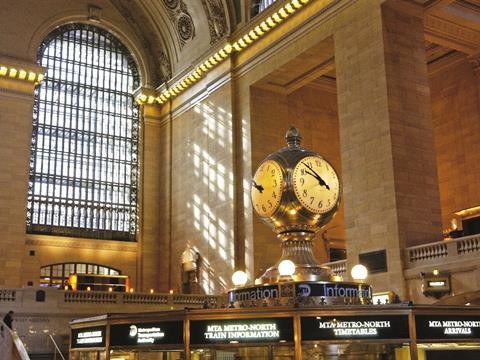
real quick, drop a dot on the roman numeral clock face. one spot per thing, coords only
(267, 187)
(316, 184)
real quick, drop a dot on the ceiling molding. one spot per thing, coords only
(450, 59)
(217, 20)
(450, 34)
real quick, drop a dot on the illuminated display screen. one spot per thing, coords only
(447, 327)
(354, 327)
(153, 333)
(88, 337)
(241, 331)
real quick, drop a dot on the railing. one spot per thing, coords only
(338, 267)
(7, 295)
(57, 349)
(442, 251)
(11, 347)
(86, 301)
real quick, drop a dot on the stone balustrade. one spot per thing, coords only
(27, 300)
(7, 295)
(443, 252)
(338, 267)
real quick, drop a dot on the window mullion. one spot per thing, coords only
(84, 139)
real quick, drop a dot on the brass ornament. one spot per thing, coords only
(296, 205)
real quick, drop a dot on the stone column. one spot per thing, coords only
(152, 253)
(389, 171)
(16, 104)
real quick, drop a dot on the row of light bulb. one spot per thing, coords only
(21, 74)
(241, 43)
(287, 268)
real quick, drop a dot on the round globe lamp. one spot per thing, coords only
(239, 278)
(286, 268)
(359, 272)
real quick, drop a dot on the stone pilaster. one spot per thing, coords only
(152, 256)
(16, 104)
(388, 161)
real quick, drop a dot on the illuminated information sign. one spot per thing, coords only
(354, 327)
(88, 337)
(447, 327)
(138, 334)
(241, 331)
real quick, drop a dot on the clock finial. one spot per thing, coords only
(293, 137)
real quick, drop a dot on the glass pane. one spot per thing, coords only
(82, 148)
(356, 351)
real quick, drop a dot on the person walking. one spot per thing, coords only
(8, 319)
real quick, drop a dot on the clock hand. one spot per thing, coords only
(316, 176)
(260, 188)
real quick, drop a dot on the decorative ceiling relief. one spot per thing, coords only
(217, 20)
(144, 29)
(181, 19)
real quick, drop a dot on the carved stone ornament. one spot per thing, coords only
(181, 20)
(217, 20)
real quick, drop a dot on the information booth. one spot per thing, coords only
(327, 332)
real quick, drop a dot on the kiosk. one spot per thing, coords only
(297, 309)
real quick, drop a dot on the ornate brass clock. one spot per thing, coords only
(296, 192)
(267, 188)
(316, 184)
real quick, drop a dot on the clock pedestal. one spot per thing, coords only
(297, 246)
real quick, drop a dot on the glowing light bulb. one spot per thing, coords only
(228, 48)
(286, 268)
(13, 72)
(359, 272)
(239, 278)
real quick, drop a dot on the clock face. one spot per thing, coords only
(316, 184)
(267, 187)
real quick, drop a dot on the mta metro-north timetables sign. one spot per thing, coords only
(355, 327)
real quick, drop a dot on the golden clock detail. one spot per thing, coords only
(316, 184)
(267, 187)
(296, 192)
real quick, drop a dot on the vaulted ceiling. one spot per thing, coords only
(176, 33)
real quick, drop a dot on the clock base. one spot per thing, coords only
(298, 248)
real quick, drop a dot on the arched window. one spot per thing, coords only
(55, 275)
(257, 6)
(84, 152)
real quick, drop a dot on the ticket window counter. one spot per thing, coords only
(146, 355)
(448, 351)
(235, 352)
(356, 350)
(88, 355)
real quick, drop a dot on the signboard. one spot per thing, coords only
(302, 294)
(152, 333)
(88, 337)
(254, 293)
(354, 327)
(334, 290)
(447, 327)
(241, 331)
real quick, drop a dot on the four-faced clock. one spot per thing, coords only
(267, 187)
(316, 184)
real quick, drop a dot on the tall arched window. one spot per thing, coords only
(84, 153)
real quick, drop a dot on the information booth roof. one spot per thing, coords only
(191, 328)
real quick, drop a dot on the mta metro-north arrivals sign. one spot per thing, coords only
(142, 334)
(241, 331)
(355, 327)
(447, 327)
(88, 337)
